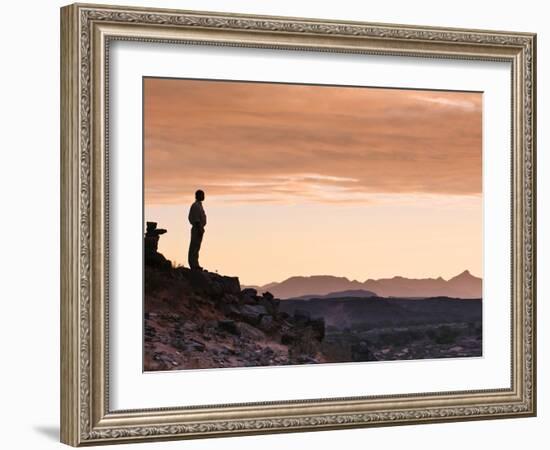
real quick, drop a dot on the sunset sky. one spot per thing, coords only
(316, 180)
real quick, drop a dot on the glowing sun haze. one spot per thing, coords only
(303, 180)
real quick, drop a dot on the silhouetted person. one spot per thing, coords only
(197, 219)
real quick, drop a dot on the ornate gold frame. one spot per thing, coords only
(86, 31)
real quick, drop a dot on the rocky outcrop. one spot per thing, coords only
(152, 257)
(199, 319)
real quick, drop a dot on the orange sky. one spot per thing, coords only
(361, 182)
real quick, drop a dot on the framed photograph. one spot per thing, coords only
(276, 224)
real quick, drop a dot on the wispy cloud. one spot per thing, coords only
(251, 142)
(467, 105)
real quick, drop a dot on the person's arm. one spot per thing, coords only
(194, 215)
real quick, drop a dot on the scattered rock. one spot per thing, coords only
(361, 352)
(250, 331)
(200, 319)
(306, 359)
(288, 338)
(149, 332)
(189, 326)
(195, 345)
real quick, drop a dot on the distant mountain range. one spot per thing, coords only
(359, 293)
(464, 285)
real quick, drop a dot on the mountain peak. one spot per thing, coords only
(465, 274)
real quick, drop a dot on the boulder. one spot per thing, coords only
(194, 345)
(248, 300)
(270, 304)
(268, 295)
(253, 313)
(250, 331)
(231, 299)
(157, 260)
(250, 292)
(249, 296)
(231, 309)
(201, 282)
(231, 285)
(230, 326)
(267, 323)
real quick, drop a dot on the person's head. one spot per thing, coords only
(199, 195)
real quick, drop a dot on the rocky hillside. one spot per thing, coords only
(199, 319)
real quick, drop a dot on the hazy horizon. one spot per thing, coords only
(301, 180)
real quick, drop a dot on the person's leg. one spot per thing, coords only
(193, 256)
(194, 247)
(200, 234)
